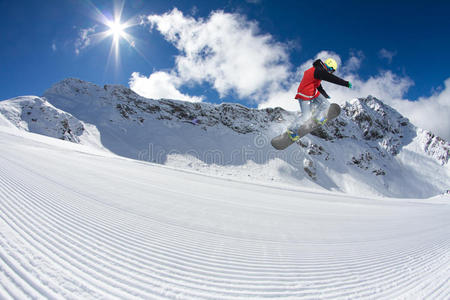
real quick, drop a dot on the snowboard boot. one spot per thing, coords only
(293, 135)
(321, 121)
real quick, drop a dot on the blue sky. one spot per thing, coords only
(381, 44)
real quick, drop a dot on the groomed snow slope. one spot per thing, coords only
(78, 223)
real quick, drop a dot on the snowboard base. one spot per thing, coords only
(283, 141)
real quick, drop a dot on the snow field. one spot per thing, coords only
(78, 223)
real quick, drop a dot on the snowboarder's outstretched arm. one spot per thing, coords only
(322, 91)
(322, 74)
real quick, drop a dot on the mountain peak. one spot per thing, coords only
(36, 114)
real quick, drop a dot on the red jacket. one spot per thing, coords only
(310, 87)
(307, 90)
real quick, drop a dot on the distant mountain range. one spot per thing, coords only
(369, 148)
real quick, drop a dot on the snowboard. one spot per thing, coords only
(283, 141)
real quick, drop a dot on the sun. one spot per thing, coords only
(116, 29)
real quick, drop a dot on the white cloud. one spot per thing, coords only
(430, 113)
(225, 50)
(354, 63)
(385, 86)
(386, 54)
(159, 85)
(54, 48)
(84, 38)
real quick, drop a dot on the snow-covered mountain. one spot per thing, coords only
(37, 115)
(370, 148)
(79, 222)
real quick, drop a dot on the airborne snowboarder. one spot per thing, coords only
(316, 110)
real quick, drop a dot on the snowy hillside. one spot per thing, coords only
(78, 223)
(370, 149)
(37, 115)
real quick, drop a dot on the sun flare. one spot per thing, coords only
(116, 29)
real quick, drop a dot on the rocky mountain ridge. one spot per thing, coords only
(368, 136)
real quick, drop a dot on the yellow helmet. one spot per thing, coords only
(331, 64)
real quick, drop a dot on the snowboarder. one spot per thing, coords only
(311, 95)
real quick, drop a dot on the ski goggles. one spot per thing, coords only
(330, 69)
